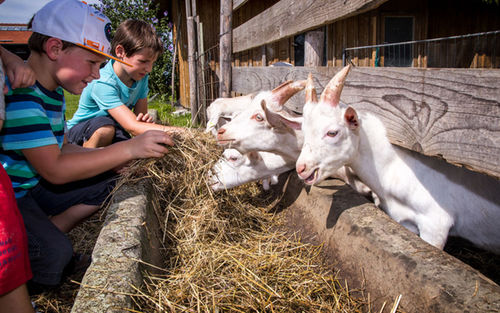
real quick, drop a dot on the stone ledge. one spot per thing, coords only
(114, 270)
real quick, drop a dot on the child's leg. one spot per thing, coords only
(69, 204)
(49, 248)
(68, 219)
(97, 132)
(101, 137)
(17, 300)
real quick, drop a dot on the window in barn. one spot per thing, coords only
(298, 46)
(398, 29)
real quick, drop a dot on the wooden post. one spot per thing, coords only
(313, 47)
(225, 55)
(202, 98)
(191, 34)
(263, 55)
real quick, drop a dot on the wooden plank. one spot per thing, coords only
(449, 113)
(313, 47)
(192, 47)
(238, 3)
(289, 17)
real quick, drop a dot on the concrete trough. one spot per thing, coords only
(367, 248)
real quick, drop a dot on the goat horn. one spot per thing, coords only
(311, 95)
(331, 94)
(285, 91)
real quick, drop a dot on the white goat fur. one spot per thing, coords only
(222, 109)
(235, 169)
(428, 196)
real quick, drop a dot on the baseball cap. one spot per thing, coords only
(76, 22)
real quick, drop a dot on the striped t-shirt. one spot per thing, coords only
(34, 118)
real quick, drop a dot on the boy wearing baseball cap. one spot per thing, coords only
(57, 184)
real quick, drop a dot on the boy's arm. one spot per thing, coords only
(141, 106)
(128, 120)
(62, 166)
(19, 73)
(141, 111)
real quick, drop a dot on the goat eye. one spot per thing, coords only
(332, 133)
(258, 117)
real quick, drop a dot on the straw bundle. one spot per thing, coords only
(225, 251)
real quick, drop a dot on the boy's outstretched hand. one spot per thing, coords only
(151, 144)
(146, 118)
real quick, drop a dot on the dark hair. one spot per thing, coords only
(37, 40)
(135, 35)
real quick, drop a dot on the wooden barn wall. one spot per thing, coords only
(265, 54)
(180, 36)
(432, 19)
(209, 13)
(467, 16)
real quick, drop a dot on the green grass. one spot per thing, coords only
(164, 111)
(71, 104)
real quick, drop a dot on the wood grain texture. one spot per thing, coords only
(226, 10)
(289, 17)
(238, 3)
(449, 113)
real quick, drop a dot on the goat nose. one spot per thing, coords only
(300, 168)
(221, 131)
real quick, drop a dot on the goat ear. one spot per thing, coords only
(285, 91)
(351, 118)
(253, 156)
(311, 95)
(277, 120)
(331, 94)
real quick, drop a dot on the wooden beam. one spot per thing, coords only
(238, 3)
(288, 17)
(226, 21)
(448, 113)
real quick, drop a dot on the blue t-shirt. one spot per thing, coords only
(34, 118)
(106, 93)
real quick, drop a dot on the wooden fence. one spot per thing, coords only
(448, 113)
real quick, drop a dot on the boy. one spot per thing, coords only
(15, 269)
(116, 104)
(58, 184)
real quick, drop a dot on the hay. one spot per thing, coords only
(225, 251)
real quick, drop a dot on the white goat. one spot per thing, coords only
(235, 169)
(278, 131)
(428, 196)
(266, 125)
(223, 109)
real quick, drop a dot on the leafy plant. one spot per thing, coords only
(146, 10)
